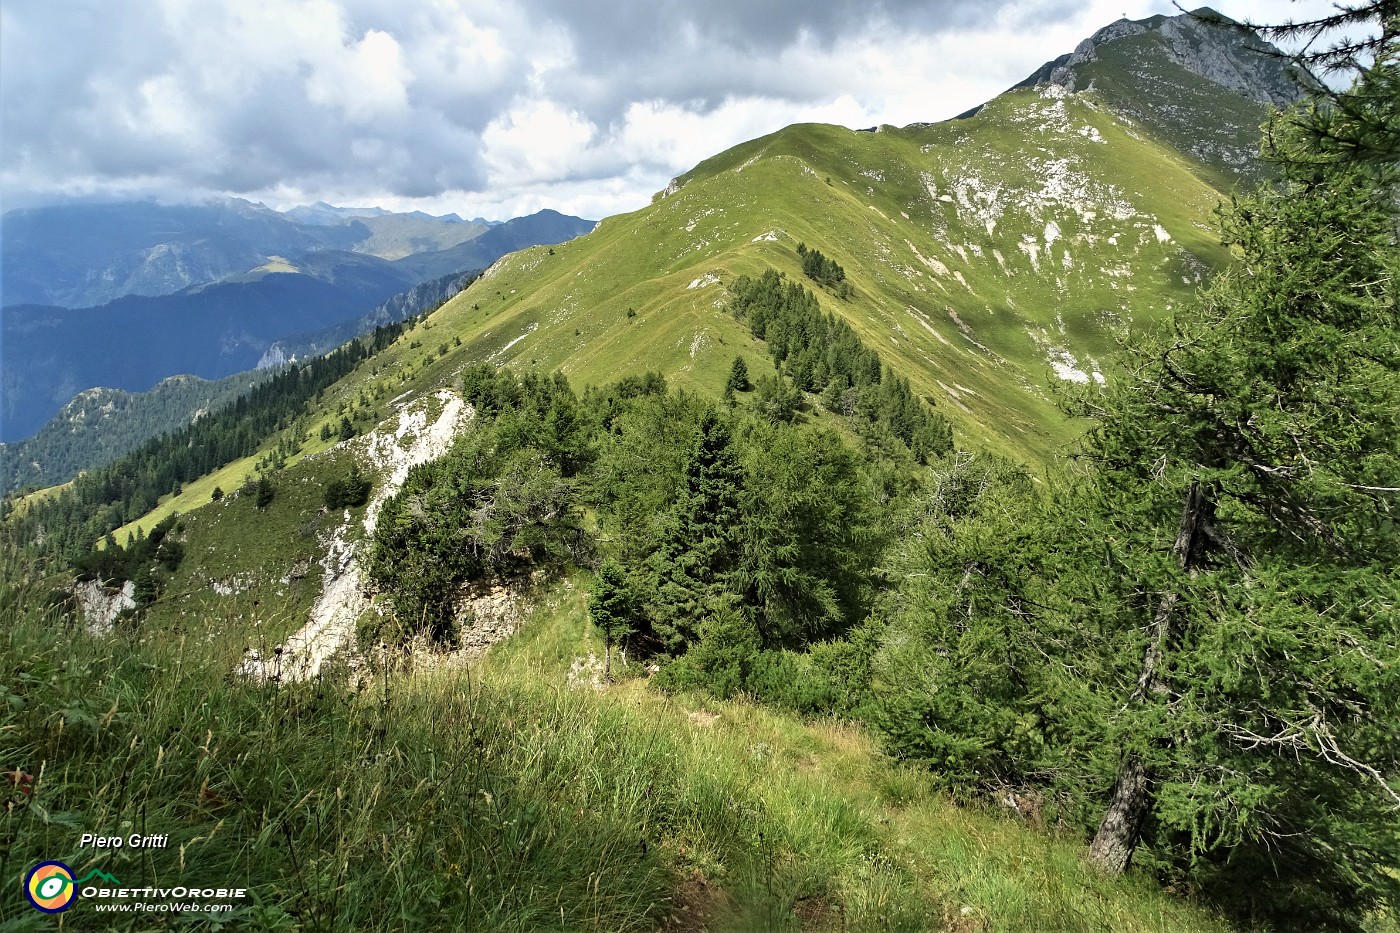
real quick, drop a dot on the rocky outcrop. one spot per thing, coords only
(1197, 82)
(392, 451)
(101, 605)
(1203, 42)
(489, 612)
(1238, 62)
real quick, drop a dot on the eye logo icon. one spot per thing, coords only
(50, 887)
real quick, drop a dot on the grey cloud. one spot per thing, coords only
(73, 104)
(72, 76)
(701, 52)
(608, 29)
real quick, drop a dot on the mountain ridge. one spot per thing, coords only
(218, 328)
(1165, 73)
(86, 254)
(100, 424)
(992, 258)
(1203, 41)
(745, 523)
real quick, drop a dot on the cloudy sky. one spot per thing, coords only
(493, 108)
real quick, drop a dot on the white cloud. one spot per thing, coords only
(535, 141)
(367, 82)
(485, 107)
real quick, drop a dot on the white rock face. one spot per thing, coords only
(586, 673)
(101, 605)
(331, 625)
(1198, 48)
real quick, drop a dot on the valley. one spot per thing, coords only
(975, 525)
(266, 296)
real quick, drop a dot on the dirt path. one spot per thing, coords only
(391, 453)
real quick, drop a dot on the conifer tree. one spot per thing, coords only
(612, 608)
(1248, 482)
(699, 540)
(738, 376)
(1358, 123)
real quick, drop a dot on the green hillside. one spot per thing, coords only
(552, 609)
(504, 801)
(990, 257)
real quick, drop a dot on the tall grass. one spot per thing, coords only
(487, 800)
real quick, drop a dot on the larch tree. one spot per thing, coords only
(1247, 475)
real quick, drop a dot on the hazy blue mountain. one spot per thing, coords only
(85, 254)
(321, 214)
(81, 255)
(536, 229)
(100, 424)
(391, 235)
(49, 354)
(419, 298)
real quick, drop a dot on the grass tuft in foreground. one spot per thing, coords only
(495, 799)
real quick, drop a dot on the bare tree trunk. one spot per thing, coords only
(1113, 845)
(1112, 849)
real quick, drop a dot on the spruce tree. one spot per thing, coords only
(965, 680)
(700, 540)
(612, 608)
(738, 376)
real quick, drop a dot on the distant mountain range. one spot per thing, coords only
(83, 255)
(100, 424)
(988, 256)
(251, 277)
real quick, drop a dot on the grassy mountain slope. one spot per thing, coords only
(987, 255)
(992, 258)
(506, 801)
(562, 807)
